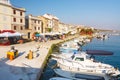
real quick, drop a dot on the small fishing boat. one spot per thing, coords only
(71, 45)
(52, 63)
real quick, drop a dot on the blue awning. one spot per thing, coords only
(37, 35)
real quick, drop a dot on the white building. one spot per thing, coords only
(53, 22)
(18, 19)
(5, 14)
(34, 23)
(11, 18)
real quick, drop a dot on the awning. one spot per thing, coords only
(37, 35)
(8, 34)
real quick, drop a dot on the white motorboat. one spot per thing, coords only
(70, 47)
(59, 78)
(83, 62)
(78, 76)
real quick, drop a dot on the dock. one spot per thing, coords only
(22, 68)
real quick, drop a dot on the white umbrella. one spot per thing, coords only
(17, 34)
(6, 34)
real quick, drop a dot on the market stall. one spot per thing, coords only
(8, 37)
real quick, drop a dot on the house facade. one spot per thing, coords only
(52, 22)
(11, 18)
(33, 24)
(44, 23)
(5, 14)
(18, 19)
(55, 24)
(14, 18)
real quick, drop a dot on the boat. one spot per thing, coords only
(69, 47)
(59, 78)
(85, 62)
(52, 63)
(77, 76)
(102, 36)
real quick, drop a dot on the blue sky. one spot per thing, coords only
(102, 14)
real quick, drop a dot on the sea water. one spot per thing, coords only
(110, 44)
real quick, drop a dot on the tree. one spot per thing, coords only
(86, 31)
(48, 29)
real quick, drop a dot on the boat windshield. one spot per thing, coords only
(79, 59)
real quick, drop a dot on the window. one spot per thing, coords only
(21, 28)
(38, 28)
(35, 21)
(14, 19)
(35, 28)
(15, 27)
(79, 59)
(21, 20)
(38, 22)
(20, 13)
(14, 11)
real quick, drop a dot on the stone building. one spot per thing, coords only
(56, 24)
(52, 23)
(33, 24)
(44, 23)
(11, 18)
(18, 19)
(62, 27)
(5, 14)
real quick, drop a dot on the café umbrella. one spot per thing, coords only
(6, 34)
(17, 34)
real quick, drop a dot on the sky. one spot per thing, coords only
(101, 14)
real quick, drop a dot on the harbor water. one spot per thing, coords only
(110, 44)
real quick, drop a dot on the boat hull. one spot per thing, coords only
(77, 76)
(58, 78)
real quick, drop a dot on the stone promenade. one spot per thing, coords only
(22, 68)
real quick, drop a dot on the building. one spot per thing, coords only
(18, 19)
(52, 22)
(62, 27)
(33, 24)
(5, 14)
(56, 24)
(11, 18)
(44, 24)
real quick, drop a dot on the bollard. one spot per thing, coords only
(30, 55)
